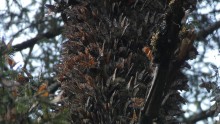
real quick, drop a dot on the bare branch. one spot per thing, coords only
(200, 116)
(31, 42)
(209, 30)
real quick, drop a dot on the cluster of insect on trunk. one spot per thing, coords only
(122, 60)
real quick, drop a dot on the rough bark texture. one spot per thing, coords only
(104, 72)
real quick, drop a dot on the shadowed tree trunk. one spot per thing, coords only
(122, 60)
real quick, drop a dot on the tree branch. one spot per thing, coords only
(209, 30)
(31, 42)
(200, 116)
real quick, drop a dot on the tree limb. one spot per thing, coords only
(31, 42)
(200, 116)
(209, 30)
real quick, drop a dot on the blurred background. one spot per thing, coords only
(36, 37)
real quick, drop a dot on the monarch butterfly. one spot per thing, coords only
(22, 79)
(42, 90)
(148, 52)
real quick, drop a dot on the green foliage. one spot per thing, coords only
(22, 104)
(22, 101)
